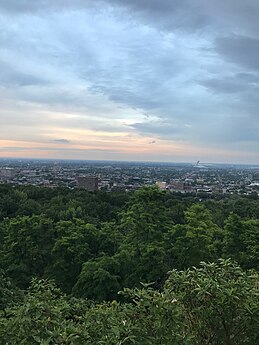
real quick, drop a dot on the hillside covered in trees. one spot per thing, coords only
(125, 268)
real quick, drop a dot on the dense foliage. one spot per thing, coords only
(214, 304)
(65, 255)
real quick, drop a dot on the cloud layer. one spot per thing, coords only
(118, 75)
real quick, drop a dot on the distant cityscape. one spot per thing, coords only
(127, 176)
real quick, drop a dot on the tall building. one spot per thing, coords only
(90, 183)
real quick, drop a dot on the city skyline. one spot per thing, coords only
(136, 80)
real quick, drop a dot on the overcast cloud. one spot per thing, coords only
(171, 72)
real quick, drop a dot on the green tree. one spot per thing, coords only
(144, 224)
(43, 318)
(242, 241)
(146, 218)
(27, 247)
(220, 303)
(76, 243)
(196, 240)
(99, 280)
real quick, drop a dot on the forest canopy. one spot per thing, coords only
(148, 267)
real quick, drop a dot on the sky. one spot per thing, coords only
(137, 80)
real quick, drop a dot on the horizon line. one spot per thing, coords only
(126, 161)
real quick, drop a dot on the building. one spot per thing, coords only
(161, 185)
(90, 183)
(177, 186)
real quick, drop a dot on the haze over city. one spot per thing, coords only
(157, 80)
